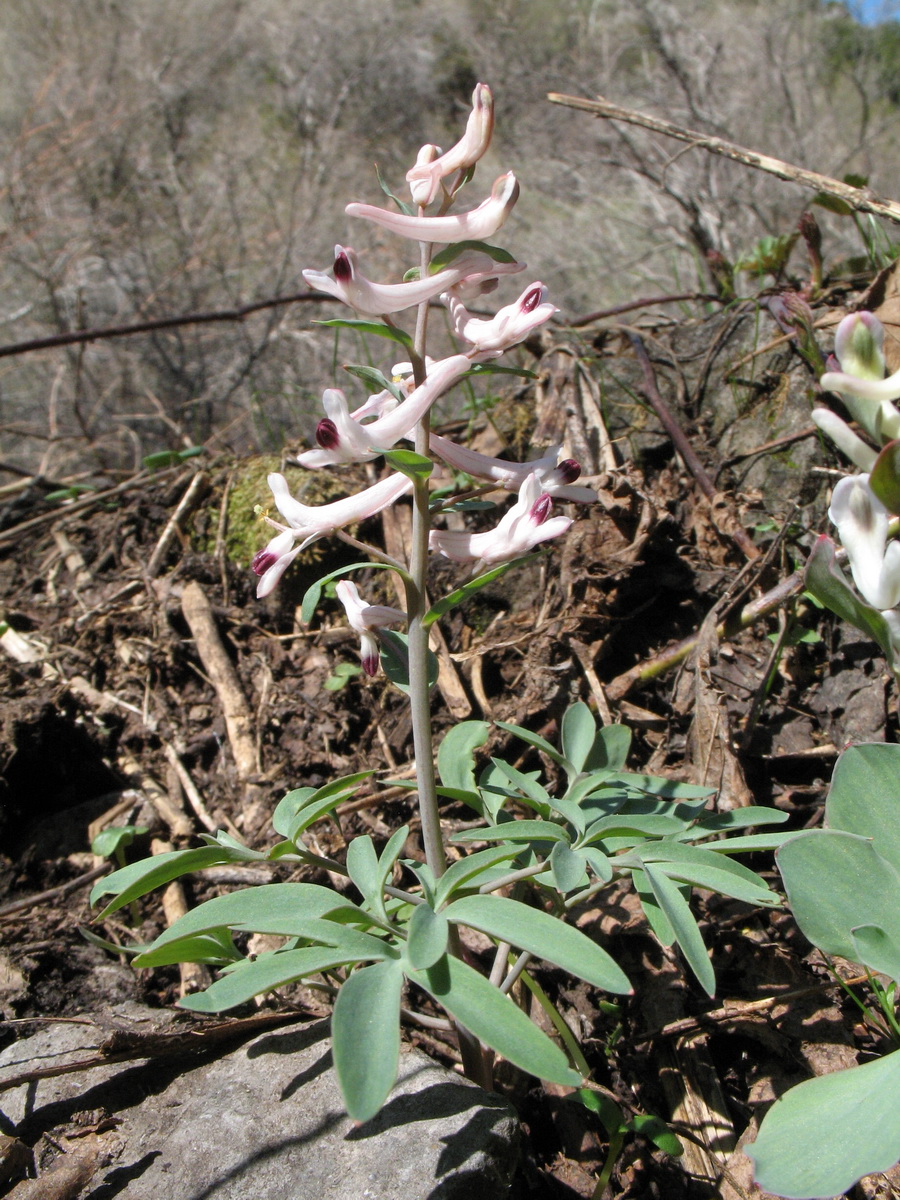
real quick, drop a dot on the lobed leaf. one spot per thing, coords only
(128, 883)
(253, 977)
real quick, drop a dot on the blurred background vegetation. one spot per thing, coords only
(172, 156)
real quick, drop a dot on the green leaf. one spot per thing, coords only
(610, 749)
(598, 862)
(374, 379)
(741, 818)
(604, 1108)
(837, 882)
(108, 841)
(825, 1134)
(468, 871)
(620, 824)
(533, 739)
(365, 1028)
(313, 594)
(389, 855)
(827, 582)
(525, 785)
(407, 462)
(170, 458)
(362, 867)
(477, 369)
(385, 187)
(548, 937)
(656, 918)
(833, 204)
(138, 878)
(753, 842)
(288, 807)
(687, 933)
(863, 797)
(254, 907)
(514, 831)
(567, 868)
(578, 732)
(385, 331)
(878, 949)
(464, 591)
(395, 660)
(658, 1132)
(884, 478)
(446, 256)
(704, 868)
(323, 801)
(216, 947)
(253, 977)
(456, 758)
(428, 935)
(495, 1020)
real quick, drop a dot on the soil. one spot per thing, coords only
(110, 716)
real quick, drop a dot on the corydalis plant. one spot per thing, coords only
(593, 823)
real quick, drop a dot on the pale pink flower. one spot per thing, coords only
(526, 524)
(511, 325)
(425, 177)
(306, 523)
(475, 225)
(556, 479)
(342, 438)
(381, 299)
(366, 619)
(860, 382)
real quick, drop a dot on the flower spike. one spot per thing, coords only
(556, 480)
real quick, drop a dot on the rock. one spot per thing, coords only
(266, 1121)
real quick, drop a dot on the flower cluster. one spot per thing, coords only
(466, 269)
(857, 374)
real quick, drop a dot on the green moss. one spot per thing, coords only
(249, 497)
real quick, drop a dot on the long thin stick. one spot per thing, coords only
(860, 199)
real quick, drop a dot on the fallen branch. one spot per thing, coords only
(860, 199)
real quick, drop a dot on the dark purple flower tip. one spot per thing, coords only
(370, 664)
(568, 470)
(327, 434)
(540, 510)
(262, 560)
(532, 299)
(343, 272)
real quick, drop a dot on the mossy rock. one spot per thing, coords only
(249, 498)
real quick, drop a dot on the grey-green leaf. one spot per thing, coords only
(489, 1015)
(548, 937)
(825, 1134)
(687, 932)
(578, 732)
(365, 1027)
(254, 977)
(428, 935)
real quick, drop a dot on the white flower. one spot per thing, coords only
(306, 523)
(342, 438)
(526, 524)
(506, 328)
(556, 479)
(380, 299)
(365, 618)
(476, 225)
(862, 524)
